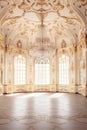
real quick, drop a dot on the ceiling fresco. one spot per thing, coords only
(37, 22)
(81, 8)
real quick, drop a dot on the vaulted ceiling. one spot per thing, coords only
(48, 21)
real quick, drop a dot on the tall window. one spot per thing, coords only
(64, 69)
(81, 72)
(81, 75)
(42, 71)
(19, 70)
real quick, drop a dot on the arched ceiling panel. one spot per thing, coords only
(25, 18)
(81, 7)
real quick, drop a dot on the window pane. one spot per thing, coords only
(42, 71)
(19, 70)
(63, 70)
(81, 71)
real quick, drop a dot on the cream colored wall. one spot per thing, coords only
(1, 71)
(75, 52)
(1, 64)
(82, 57)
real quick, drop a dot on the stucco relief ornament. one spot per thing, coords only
(1, 41)
(74, 47)
(9, 47)
(19, 44)
(80, 2)
(63, 44)
(63, 51)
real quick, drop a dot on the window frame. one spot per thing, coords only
(42, 84)
(81, 72)
(68, 81)
(23, 56)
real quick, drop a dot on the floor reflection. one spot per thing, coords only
(43, 111)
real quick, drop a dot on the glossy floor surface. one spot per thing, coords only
(43, 111)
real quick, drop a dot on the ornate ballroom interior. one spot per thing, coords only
(43, 46)
(43, 52)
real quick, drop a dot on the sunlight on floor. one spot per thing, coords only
(22, 95)
(56, 95)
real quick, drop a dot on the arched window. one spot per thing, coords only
(19, 70)
(42, 71)
(64, 69)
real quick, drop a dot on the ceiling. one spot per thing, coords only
(27, 20)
